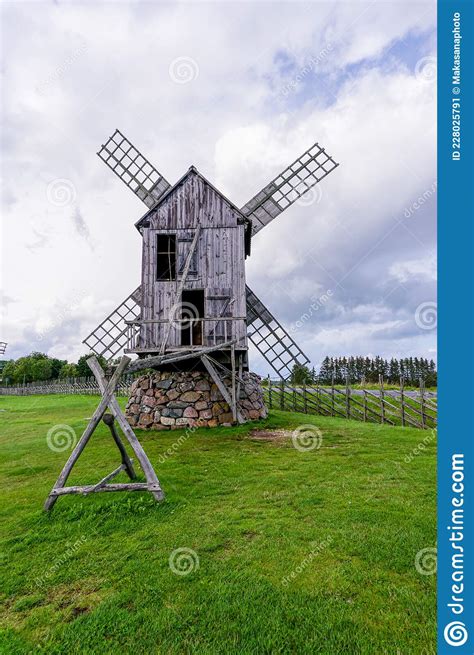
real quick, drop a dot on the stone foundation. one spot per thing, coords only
(169, 400)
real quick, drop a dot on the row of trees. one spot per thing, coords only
(337, 369)
(39, 366)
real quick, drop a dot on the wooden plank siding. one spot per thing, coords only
(219, 267)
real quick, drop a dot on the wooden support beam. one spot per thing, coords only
(179, 290)
(108, 400)
(137, 448)
(108, 477)
(93, 423)
(109, 420)
(239, 376)
(158, 360)
(221, 386)
(85, 490)
(233, 389)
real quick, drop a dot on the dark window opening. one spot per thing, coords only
(166, 257)
(192, 308)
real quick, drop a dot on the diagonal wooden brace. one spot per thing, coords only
(108, 400)
(86, 435)
(137, 448)
(180, 288)
(222, 388)
(127, 463)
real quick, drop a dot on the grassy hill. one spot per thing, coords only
(289, 551)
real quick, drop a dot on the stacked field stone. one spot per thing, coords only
(167, 400)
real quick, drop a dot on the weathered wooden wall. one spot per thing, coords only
(220, 258)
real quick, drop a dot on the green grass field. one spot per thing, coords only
(294, 551)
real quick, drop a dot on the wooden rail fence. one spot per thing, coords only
(391, 406)
(88, 386)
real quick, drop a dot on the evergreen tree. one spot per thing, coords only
(412, 369)
(300, 374)
(337, 371)
(325, 371)
(431, 375)
(394, 371)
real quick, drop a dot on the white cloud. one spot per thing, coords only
(414, 269)
(107, 65)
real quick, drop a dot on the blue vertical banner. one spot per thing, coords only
(455, 327)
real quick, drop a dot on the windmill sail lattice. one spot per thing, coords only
(288, 187)
(110, 337)
(133, 169)
(271, 339)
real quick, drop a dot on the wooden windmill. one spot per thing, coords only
(193, 306)
(193, 298)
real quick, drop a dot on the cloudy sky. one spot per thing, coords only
(239, 90)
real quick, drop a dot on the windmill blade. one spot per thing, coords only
(110, 337)
(133, 169)
(3, 347)
(271, 339)
(286, 188)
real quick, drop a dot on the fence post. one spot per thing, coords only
(402, 400)
(348, 397)
(305, 399)
(422, 399)
(269, 392)
(282, 397)
(382, 406)
(365, 397)
(332, 395)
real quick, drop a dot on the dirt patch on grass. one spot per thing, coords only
(77, 611)
(270, 435)
(77, 598)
